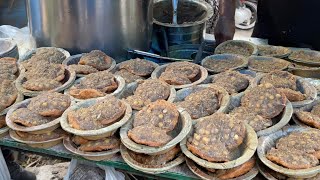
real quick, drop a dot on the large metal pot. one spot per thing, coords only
(83, 25)
(192, 16)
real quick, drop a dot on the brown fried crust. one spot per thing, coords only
(50, 104)
(223, 64)
(3, 121)
(316, 110)
(85, 93)
(101, 144)
(97, 59)
(280, 79)
(8, 65)
(148, 91)
(305, 55)
(187, 69)
(257, 122)
(46, 71)
(41, 137)
(7, 76)
(303, 147)
(292, 95)
(266, 66)
(28, 118)
(174, 78)
(136, 102)
(180, 73)
(211, 170)
(8, 94)
(139, 67)
(128, 76)
(232, 81)
(33, 61)
(94, 85)
(41, 84)
(235, 48)
(265, 100)
(161, 114)
(86, 123)
(218, 152)
(50, 55)
(307, 142)
(8, 60)
(104, 112)
(308, 118)
(316, 154)
(228, 87)
(216, 136)
(82, 69)
(103, 81)
(78, 140)
(149, 135)
(153, 89)
(155, 160)
(115, 107)
(293, 160)
(201, 103)
(236, 171)
(271, 51)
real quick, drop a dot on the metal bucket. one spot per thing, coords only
(83, 25)
(189, 51)
(192, 17)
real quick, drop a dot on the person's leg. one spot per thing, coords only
(262, 26)
(15, 170)
(212, 21)
(4, 172)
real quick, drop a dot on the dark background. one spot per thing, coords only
(13, 12)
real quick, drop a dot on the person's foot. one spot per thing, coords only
(18, 173)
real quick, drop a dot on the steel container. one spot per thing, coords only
(83, 25)
(192, 16)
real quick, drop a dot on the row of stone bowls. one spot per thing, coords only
(179, 133)
(8, 48)
(312, 69)
(185, 123)
(63, 122)
(93, 134)
(4, 130)
(234, 101)
(203, 74)
(181, 130)
(248, 149)
(121, 87)
(39, 129)
(70, 75)
(291, 54)
(282, 64)
(245, 151)
(266, 166)
(267, 142)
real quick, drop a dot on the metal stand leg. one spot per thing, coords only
(4, 172)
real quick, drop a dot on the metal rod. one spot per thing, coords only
(143, 53)
(175, 11)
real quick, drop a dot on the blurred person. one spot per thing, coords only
(290, 23)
